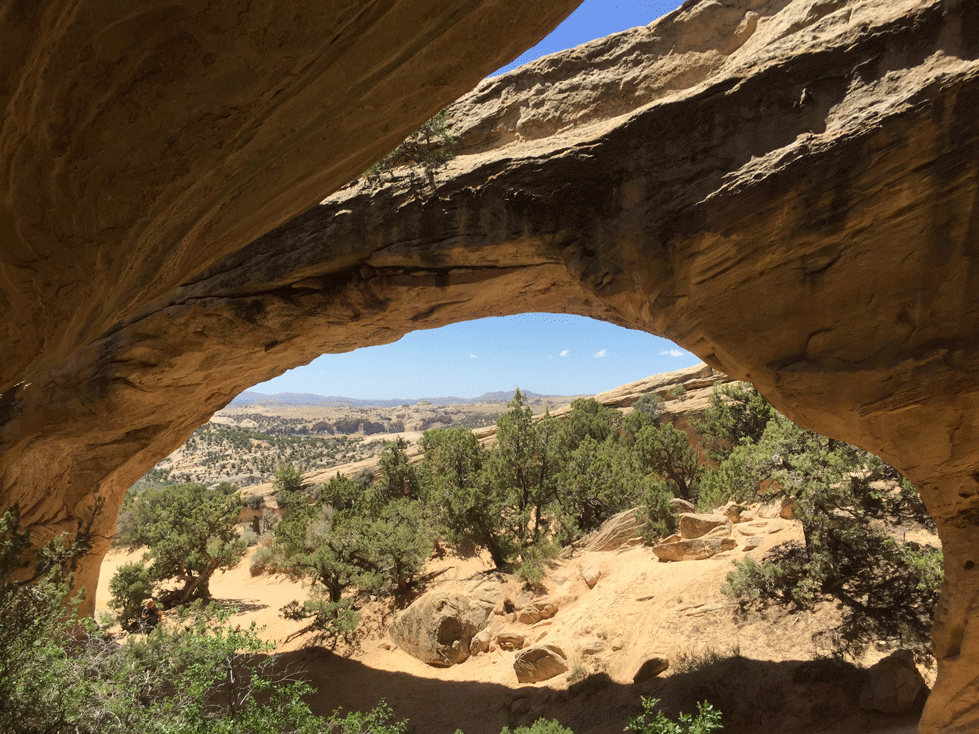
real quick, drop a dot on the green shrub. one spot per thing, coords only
(129, 588)
(654, 722)
(541, 726)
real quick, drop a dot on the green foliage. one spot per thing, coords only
(398, 478)
(887, 589)
(380, 720)
(737, 414)
(523, 470)
(330, 620)
(541, 726)
(190, 533)
(654, 722)
(427, 147)
(340, 493)
(598, 479)
(659, 520)
(463, 502)
(129, 588)
(288, 480)
(666, 451)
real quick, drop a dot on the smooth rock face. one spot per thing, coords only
(786, 188)
(439, 627)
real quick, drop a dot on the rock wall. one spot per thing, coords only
(788, 188)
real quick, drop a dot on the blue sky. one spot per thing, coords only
(554, 354)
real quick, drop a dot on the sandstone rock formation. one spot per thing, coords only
(788, 188)
(140, 144)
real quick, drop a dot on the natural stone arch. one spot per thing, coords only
(812, 226)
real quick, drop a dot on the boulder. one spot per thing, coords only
(752, 542)
(894, 684)
(652, 666)
(615, 532)
(540, 662)
(694, 525)
(438, 628)
(536, 611)
(694, 549)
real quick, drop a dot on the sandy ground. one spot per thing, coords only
(638, 606)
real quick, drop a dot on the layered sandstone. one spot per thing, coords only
(786, 188)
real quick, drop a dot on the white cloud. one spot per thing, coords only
(473, 356)
(600, 353)
(674, 353)
(566, 352)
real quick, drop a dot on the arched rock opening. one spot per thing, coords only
(787, 189)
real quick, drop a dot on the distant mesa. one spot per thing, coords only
(250, 397)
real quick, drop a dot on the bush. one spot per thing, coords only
(129, 588)
(654, 722)
(541, 726)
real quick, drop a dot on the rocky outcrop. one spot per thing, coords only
(785, 187)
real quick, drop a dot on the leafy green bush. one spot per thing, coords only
(541, 726)
(129, 588)
(428, 147)
(654, 722)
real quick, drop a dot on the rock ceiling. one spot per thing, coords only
(786, 188)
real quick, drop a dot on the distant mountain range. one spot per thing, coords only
(250, 397)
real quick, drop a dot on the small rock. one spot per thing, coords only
(753, 542)
(652, 666)
(617, 644)
(510, 640)
(732, 511)
(787, 512)
(591, 573)
(592, 645)
(540, 662)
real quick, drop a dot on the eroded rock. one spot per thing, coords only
(694, 549)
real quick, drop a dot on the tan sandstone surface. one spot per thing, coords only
(786, 188)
